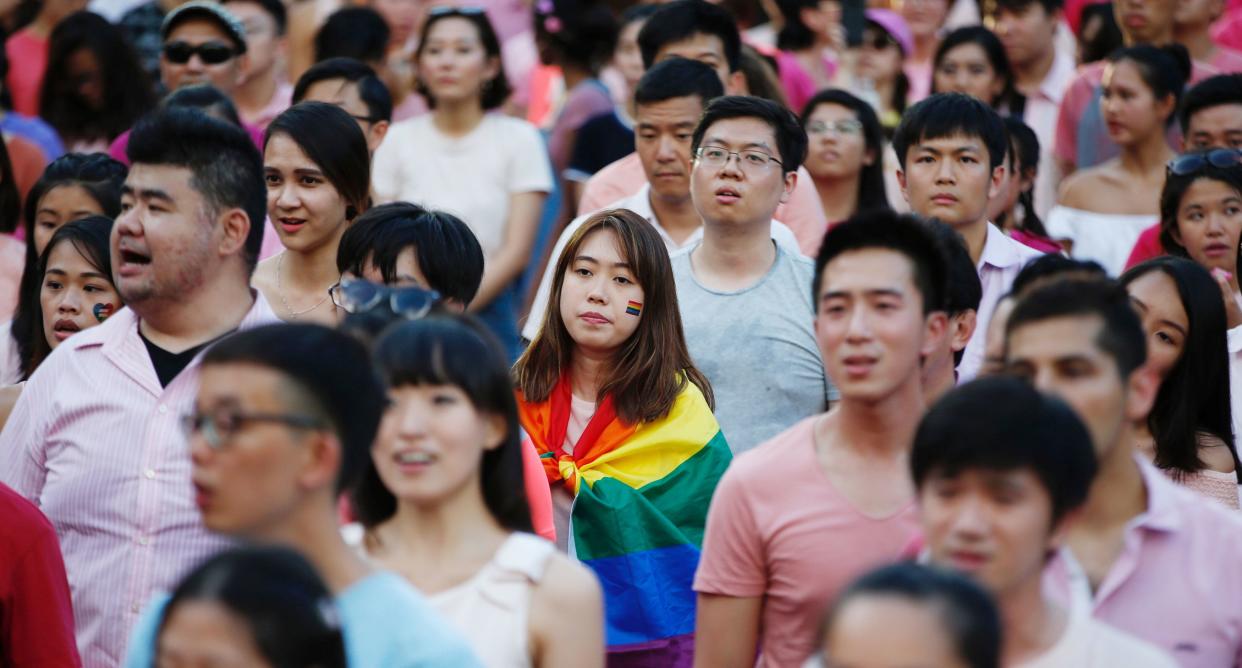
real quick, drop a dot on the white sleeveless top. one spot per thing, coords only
(492, 609)
(1106, 238)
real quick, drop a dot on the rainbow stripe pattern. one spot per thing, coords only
(634, 308)
(641, 498)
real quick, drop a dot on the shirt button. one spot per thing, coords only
(149, 473)
(134, 608)
(163, 409)
(143, 540)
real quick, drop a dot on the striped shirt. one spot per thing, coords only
(94, 441)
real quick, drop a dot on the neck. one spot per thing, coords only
(939, 376)
(1028, 76)
(457, 117)
(1118, 492)
(573, 76)
(256, 93)
(1152, 153)
(736, 250)
(185, 321)
(925, 48)
(677, 216)
(885, 426)
(1198, 41)
(839, 197)
(976, 236)
(1159, 40)
(587, 373)
(435, 533)
(1031, 623)
(315, 268)
(314, 533)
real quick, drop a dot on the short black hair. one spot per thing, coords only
(448, 253)
(1045, 267)
(950, 115)
(682, 19)
(278, 597)
(1002, 423)
(329, 369)
(1214, 91)
(967, 611)
(1121, 333)
(1049, 6)
(371, 90)
(226, 168)
(964, 290)
(207, 99)
(274, 9)
(791, 139)
(678, 77)
(353, 32)
(581, 32)
(904, 233)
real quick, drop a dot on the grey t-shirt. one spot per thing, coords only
(757, 347)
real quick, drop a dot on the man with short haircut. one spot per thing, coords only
(798, 518)
(743, 298)
(204, 43)
(1002, 472)
(283, 422)
(94, 439)
(1028, 29)
(951, 150)
(702, 31)
(1192, 28)
(354, 87)
(961, 305)
(264, 91)
(1146, 556)
(1211, 117)
(669, 100)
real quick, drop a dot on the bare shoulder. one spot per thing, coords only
(1215, 454)
(567, 586)
(1075, 188)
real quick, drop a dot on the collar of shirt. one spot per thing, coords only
(999, 250)
(640, 203)
(1058, 78)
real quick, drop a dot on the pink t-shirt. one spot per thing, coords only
(802, 214)
(779, 530)
(27, 55)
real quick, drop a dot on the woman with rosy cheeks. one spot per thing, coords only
(317, 169)
(1101, 211)
(442, 502)
(845, 156)
(1188, 433)
(488, 169)
(605, 390)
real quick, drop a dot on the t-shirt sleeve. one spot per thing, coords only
(37, 614)
(732, 563)
(530, 169)
(386, 174)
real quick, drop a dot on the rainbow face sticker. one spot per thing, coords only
(103, 311)
(634, 308)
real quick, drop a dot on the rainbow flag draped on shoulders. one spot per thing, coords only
(641, 494)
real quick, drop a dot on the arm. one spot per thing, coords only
(520, 229)
(38, 617)
(726, 631)
(569, 594)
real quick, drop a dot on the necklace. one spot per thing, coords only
(280, 292)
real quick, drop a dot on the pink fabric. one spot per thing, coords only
(27, 56)
(280, 101)
(586, 101)
(1227, 60)
(920, 76)
(538, 494)
(95, 442)
(1176, 583)
(12, 261)
(798, 84)
(803, 213)
(1228, 30)
(999, 263)
(1147, 247)
(778, 529)
(1040, 244)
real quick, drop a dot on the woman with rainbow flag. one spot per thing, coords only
(623, 422)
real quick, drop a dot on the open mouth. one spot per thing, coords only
(63, 329)
(291, 225)
(727, 195)
(131, 257)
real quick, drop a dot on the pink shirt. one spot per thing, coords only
(803, 213)
(1176, 583)
(95, 442)
(1041, 115)
(281, 99)
(27, 55)
(999, 264)
(778, 529)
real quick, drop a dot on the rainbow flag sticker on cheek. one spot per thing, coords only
(634, 308)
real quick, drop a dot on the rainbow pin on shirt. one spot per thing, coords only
(634, 308)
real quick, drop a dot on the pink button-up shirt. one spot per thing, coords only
(999, 263)
(1177, 583)
(95, 442)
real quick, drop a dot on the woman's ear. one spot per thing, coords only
(496, 429)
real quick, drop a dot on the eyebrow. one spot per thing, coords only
(716, 139)
(85, 274)
(873, 292)
(969, 148)
(147, 193)
(588, 258)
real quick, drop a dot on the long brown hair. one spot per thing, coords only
(653, 366)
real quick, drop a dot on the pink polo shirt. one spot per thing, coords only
(803, 213)
(1177, 583)
(96, 443)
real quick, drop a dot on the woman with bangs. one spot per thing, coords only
(443, 505)
(623, 422)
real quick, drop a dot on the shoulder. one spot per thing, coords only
(1076, 187)
(773, 457)
(1123, 649)
(1215, 453)
(566, 587)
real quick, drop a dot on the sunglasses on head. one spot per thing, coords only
(211, 53)
(1193, 162)
(359, 296)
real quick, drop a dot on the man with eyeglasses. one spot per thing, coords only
(744, 301)
(283, 421)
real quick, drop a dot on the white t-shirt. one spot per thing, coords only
(471, 177)
(1088, 643)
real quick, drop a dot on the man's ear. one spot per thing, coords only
(322, 463)
(901, 181)
(998, 177)
(964, 325)
(791, 182)
(935, 328)
(235, 225)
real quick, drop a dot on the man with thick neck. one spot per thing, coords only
(1001, 472)
(798, 518)
(669, 100)
(94, 439)
(742, 296)
(283, 421)
(264, 90)
(951, 149)
(1028, 30)
(1141, 542)
(702, 31)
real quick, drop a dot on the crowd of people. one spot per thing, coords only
(573, 333)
